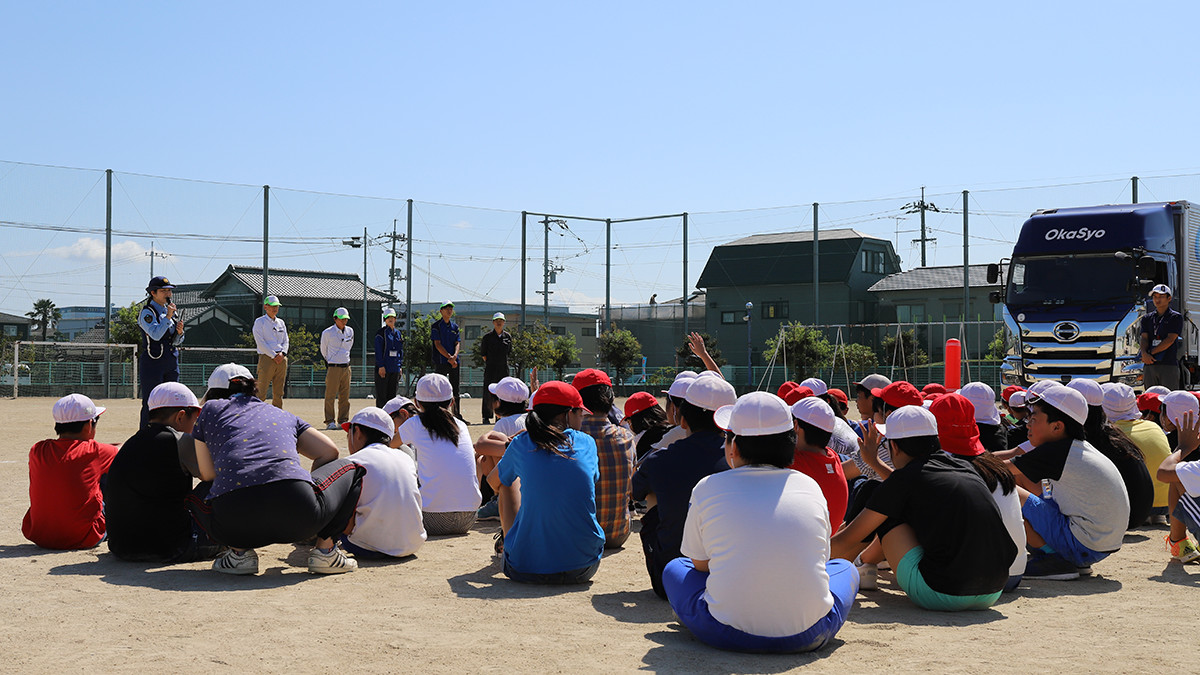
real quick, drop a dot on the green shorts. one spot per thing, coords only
(908, 575)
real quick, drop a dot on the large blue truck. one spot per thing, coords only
(1076, 288)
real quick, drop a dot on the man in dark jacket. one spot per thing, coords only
(496, 346)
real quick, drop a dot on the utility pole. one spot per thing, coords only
(394, 274)
(154, 255)
(549, 271)
(921, 207)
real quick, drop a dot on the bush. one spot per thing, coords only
(906, 354)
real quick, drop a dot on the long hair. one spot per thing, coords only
(542, 424)
(993, 472)
(438, 419)
(1106, 438)
(651, 417)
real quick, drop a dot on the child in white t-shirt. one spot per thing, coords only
(387, 521)
(510, 400)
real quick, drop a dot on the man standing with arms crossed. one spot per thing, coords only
(336, 343)
(1160, 334)
(446, 343)
(496, 346)
(271, 338)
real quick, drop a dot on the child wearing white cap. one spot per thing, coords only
(987, 417)
(941, 530)
(757, 575)
(1083, 519)
(445, 459)
(1180, 411)
(815, 425)
(66, 507)
(387, 519)
(149, 483)
(509, 401)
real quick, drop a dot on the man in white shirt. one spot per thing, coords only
(336, 343)
(271, 338)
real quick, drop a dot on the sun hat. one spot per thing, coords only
(1009, 391)
(911, 421)
(898, 394)
(510, 390)
(75, 408)
(643, 400)
(815, 411)
(818, 386)
(373, 418)
(934, 388)
(710, 393)
(222, 375)
(171, 395)
(1066, 400)
(341, 313)
(984, 400)
(1178, 403)
(558, 393)
(1120, 403)
(839, 395)
(1149, 401)
(434, 387)
(395, 404)
(956, 428)
(680, 384)
(1092, 393)
(590, 377)
(758, 413)
(1017, 400)
(872, 382)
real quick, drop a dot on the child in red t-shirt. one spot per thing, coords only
(66, 508)
(814, 421)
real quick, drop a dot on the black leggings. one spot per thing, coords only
(282, 512)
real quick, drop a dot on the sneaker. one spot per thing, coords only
(498, 547)
(489, 511)
(232, 562)
(1084, 570)
(334, 562)
(1183, 550)
(1050, 567)
(1159, 519)
(868, 576)
(333, 426)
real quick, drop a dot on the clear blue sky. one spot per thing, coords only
(612, 110)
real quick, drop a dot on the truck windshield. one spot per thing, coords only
(1070, 280)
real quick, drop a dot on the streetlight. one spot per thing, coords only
(749, 347)
(357, 242)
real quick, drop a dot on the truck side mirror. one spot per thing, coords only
(1146, 267)
(994, 297)
(993, 274)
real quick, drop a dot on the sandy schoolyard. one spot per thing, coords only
(449, 608)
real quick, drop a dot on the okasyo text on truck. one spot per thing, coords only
(1075, 290)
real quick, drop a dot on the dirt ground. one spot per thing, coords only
(449, 608)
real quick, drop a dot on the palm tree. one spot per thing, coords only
(44, 314)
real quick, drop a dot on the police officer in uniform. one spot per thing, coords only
(158, 355)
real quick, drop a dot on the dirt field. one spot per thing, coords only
(449, 609)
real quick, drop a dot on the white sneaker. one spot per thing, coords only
(333, 426)
(231, 562)
(868, 577)
(334, 562)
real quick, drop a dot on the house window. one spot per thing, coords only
(731, 317)
(872, 262)
(558, 330)
(10, 330)
(775, 310)
(587, 332)
(910, 313)
(472, 332)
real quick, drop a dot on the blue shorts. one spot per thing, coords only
(1045, 519)
(908, 575)
(685, 590)
(360, 552)
(1188, 511)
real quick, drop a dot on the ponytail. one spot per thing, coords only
(438, 419)
(541, 426)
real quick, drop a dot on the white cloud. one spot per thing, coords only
(461, 225)
(87, 248)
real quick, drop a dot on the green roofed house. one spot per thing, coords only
(775, 273)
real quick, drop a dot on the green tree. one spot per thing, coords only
(859, 358)
(531, 348)
(45, 314)
(690, 360)
(620, 349)
(997, 349)
(807, 350)
(563, 353)
(418, 345)
(124, 326)
(904, 352)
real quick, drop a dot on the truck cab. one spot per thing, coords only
(1076, 288)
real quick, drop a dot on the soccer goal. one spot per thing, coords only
(60, 368)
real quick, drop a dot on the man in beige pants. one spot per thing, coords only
(336, 343)
(271, 338)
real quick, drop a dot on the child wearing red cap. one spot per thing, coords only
(66, 507)
(614, 448)
(647, 420)
(550, 534)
